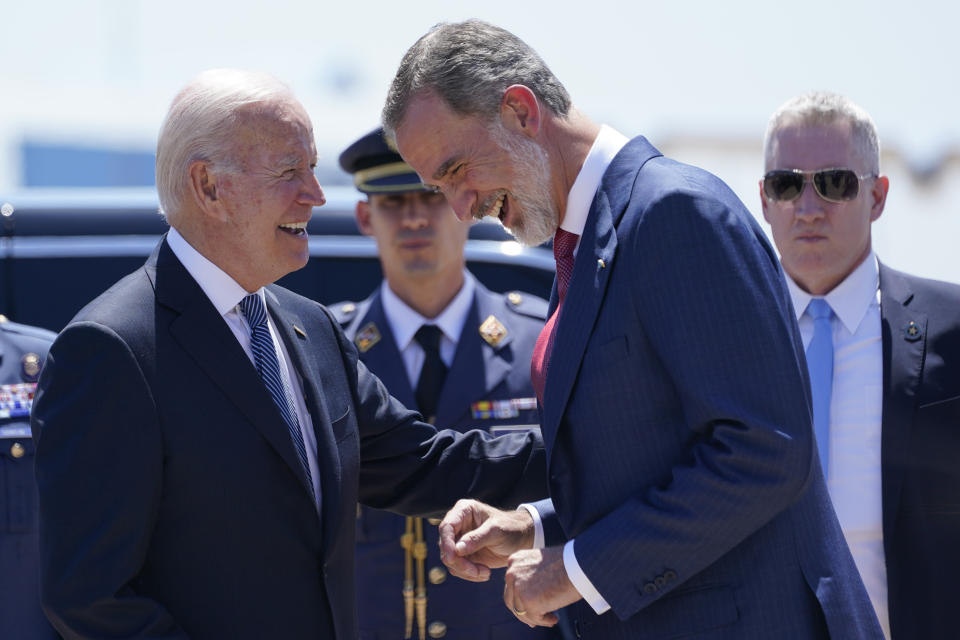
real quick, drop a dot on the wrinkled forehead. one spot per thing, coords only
(279, 126)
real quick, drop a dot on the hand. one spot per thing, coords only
(536, 585)
(475, 537)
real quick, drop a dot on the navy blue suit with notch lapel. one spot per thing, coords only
(677, 423)
(479, 371)
(919, 453)
(172, 502)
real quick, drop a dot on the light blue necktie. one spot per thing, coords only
(820, 366)
(268, 366)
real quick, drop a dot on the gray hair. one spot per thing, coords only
(200, 126)
(469, 65)
(825, 108)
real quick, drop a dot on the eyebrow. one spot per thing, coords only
(444, 168)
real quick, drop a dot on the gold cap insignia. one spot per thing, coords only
(368, 336)
(514, 298)
(493, 331)
(31, 366)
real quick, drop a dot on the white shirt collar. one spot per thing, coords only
(608, 144)
(850, 299)
(223, 291)
(404, 321)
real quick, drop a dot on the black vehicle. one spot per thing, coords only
(60, 249)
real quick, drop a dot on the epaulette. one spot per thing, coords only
(344, 312)
(526, 304)
(25, 330)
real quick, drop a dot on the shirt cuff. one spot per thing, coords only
(538, 542)
(580, 581)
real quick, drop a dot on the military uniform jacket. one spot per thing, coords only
(22, 352)
(487, 387)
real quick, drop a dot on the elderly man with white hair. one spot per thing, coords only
(204, 436)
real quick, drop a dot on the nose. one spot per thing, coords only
(808, 204)
(312, 192)
(414, 214)
(462, 202)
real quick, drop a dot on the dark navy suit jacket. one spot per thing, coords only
(920, 454)
(21, 347)
(172, 502)
(480, 371)
(677, 423)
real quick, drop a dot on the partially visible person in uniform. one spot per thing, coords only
(883, 348)
(442, 343)
(23, 350)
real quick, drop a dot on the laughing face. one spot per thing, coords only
(483, 169)
(266, 199)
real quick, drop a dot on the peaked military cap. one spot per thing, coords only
(377, 167)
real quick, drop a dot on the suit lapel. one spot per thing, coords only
(595, 262)
(477, 367)
(297, 341)
(902, 372)
(383, 358)
(204, 335)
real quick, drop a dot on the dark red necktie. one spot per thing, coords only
(564, 243)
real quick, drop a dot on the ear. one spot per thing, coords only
(203, 189)
(878, 194)
(363, 214)
(520, 110)
(763, 202)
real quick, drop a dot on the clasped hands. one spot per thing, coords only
(475, 537)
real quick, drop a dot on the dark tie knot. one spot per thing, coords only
(428, 336)
(253, 311)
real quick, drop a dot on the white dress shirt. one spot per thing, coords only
(225, 294)
(608, 144)
(405, 322)
(856, 407)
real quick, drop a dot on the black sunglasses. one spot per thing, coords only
(833, 185)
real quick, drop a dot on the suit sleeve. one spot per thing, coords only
(710, 301)
(99, 464)
(410, 467)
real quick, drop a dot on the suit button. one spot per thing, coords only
(670, 575)
(660, 581)
(433, 521)
(437, 575)
(649, 588)
(17, 450)
(437, 629)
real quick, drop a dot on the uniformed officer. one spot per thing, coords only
(22, 352)
(459, 353)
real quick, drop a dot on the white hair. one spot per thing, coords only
(200, 125)
(825, 108)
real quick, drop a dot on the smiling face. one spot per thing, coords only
(417, 235)
(483, 169)
(821, 242)
(263, 202)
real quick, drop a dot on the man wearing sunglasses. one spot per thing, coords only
(882, 348)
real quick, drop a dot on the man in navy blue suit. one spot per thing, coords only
(204, 436)
(23, 350)
(476, 374)
(890, 436)
(686, 498)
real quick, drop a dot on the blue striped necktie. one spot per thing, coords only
(268, 366)
(820, 367)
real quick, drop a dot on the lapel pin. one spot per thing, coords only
(493, 331)
(368, 336)
(912, 331)
(601, 263)
(300, 332)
